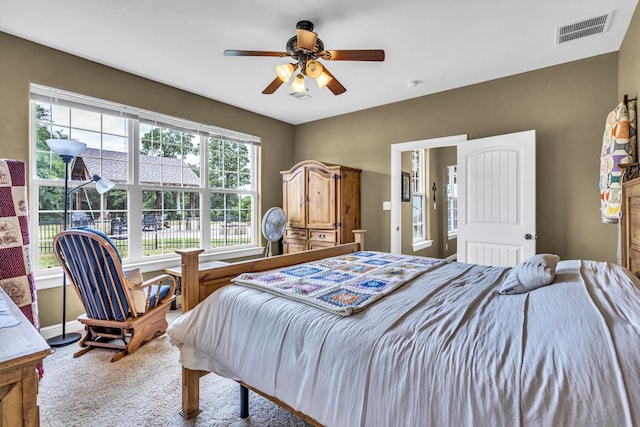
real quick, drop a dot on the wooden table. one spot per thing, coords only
(177, 273)
(21, 350)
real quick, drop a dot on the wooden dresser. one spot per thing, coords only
(322, 203)
(21, 348)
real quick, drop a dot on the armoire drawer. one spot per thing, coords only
(329, 236)
(295, 233)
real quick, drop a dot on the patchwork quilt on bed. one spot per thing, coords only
(344, 284)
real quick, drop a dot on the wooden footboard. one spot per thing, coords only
(197, 285)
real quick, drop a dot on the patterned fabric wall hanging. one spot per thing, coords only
(618, 146)
(16, 274)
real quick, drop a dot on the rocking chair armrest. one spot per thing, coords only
(158, 280)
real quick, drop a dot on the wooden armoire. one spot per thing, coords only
(322, 203)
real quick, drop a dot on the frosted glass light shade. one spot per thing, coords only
(314, 69)
(284, 72)
(323, 79)
(66, 147)
(298, 84)
(103, 184)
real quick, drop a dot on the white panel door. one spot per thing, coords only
(497, 199)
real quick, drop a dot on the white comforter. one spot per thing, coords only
(444, 350)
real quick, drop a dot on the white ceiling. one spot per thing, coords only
(442, 44)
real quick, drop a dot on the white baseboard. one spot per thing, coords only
(452, 257)
(55, 330)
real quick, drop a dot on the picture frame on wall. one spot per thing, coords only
(406, 187)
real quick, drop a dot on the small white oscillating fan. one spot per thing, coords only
(273, 224)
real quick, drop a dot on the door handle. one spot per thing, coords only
(528, 236)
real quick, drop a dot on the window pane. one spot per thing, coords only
(417, 197)
(50, 223)
(169, 157)
(229, 165)
(452, 199)
(170, 221)
(114, 125)
(231, 219)
(87, 120)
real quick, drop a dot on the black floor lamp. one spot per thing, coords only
(67, 149)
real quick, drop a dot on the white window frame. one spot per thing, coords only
(51, 277)
(452, 194)
(418, 188)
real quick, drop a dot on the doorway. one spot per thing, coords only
(396, 179)
(499, 173)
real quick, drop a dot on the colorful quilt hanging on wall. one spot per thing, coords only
(618, 146)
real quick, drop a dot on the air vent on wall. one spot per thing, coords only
(584, 28)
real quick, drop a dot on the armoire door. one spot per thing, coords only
(294, 198)
(321, 199)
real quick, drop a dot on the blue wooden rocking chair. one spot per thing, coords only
(112, 319)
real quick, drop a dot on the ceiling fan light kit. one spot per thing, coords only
(298, 84)
(323, 79)
(285, 71)
(314, 69)
(306, 48)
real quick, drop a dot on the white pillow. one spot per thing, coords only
(139, 296)
(530, 274)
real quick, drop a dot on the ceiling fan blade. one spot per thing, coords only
(306, 39)
(253, 53)
(334, 85)
(353, 55)
(273, 86)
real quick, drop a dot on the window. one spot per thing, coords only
(417, 195)
(452, 200)
(179, 184)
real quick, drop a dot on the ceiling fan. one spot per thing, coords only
(306, 48)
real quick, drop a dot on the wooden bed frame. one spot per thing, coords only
(197, 285)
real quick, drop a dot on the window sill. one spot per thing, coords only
(417, 246)
(453, 236)
(54, 278)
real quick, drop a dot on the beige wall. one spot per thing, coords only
(24, 62)
(629, 60)
(566, 105)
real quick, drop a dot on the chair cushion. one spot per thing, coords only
(97, 289)
(103, 235)
(139, 296)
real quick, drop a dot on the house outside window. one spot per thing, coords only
(179, 184)
(452, 201)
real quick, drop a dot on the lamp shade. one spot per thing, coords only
(66, 147)
(284, 72)
(314, 69)
(103, 184)
(298, 84)
(323, 79)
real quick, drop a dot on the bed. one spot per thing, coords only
(446, 348)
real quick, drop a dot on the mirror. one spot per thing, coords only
(396, 177)
(427, 226)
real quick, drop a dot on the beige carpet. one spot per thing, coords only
(142, 389)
